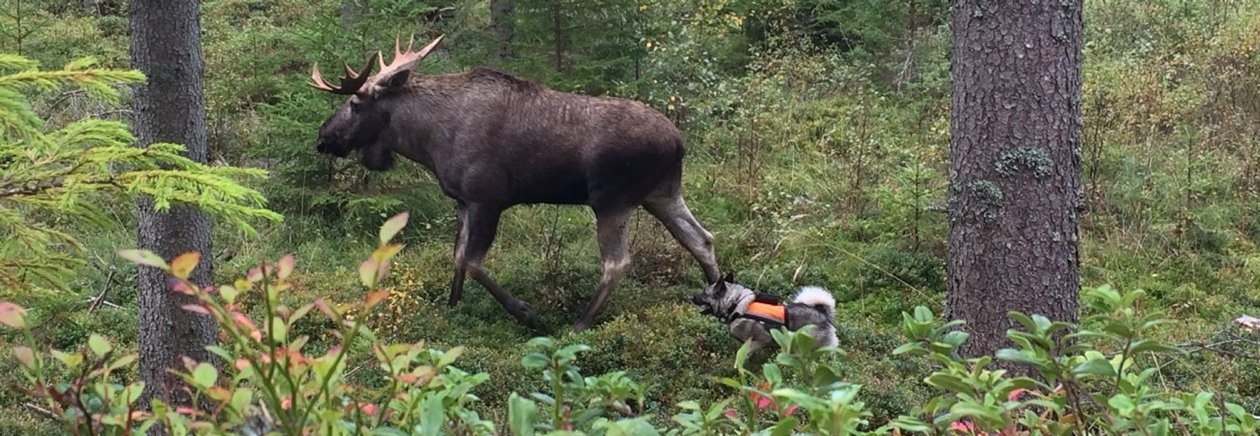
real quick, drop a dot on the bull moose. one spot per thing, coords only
(493, 141)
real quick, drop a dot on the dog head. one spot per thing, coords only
(716, 297)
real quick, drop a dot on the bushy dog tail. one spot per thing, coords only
(818, 298)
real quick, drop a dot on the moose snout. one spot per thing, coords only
(331, 146)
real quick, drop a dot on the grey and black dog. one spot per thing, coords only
(751, 316)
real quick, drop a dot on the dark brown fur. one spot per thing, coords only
(494, 141)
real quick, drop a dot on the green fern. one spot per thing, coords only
(49, 175)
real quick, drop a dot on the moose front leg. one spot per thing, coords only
(613, 248)
(481, 223)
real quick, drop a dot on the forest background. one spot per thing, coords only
(817, 135)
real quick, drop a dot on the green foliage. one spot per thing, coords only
(273, 382)
(54, 174)
(1077, 389)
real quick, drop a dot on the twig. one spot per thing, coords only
(40, 411)
(100, 299)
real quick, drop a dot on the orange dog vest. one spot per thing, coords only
(772, 312)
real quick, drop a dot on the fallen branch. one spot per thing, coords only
(41, 411)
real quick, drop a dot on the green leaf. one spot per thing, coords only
(907, 347)
(1122, 404)
(70, 360)
(948, 382)
(99, 345)
(1149, 346)
(228, 293)
(1098, 367)
(449, 356)
(434, 419)
(522, 413)
(535, 361)
(133, 392)
(741, 356)
(392, 226)
(204, 375)
(367, 273)
(785, 426)
(241, 399)
(144, 257)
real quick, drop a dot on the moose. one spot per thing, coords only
(494, 141)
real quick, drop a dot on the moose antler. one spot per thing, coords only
(350, 84)
(405, 59)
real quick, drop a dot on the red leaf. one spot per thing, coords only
(183, 265)
(374, 298)
(196, 308)
(790, 410)
(24, 356)
(285, 266)
(179, 286)
(323, 307)
(255, 275)
(12, 315)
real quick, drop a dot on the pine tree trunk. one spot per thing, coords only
(503, 27)
(1015, 178)
(170, 107)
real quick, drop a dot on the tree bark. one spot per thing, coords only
(503, 27)
(170, 107)
(1015, 178)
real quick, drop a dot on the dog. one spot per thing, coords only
(750, 316)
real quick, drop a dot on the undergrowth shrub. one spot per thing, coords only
(1097, 378)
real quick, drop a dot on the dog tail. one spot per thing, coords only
(818, 298)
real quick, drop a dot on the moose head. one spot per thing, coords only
(362, 123)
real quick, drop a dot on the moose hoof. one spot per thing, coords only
(581, 325)
(525, 315)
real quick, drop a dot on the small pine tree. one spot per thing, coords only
(49, 175)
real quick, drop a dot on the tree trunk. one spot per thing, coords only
(170, 107)
(503, 27)
(1015, 178)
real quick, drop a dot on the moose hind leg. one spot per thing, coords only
(672, 211)
(461, 246)
(480, 226)
(615, 252)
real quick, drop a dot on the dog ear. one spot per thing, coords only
(719, 288)
(730, 277)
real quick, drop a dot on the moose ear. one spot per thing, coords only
(397, 79)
